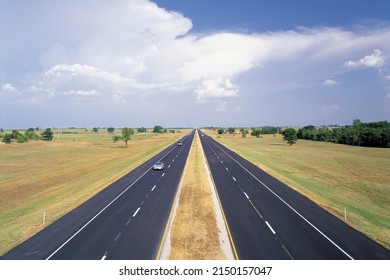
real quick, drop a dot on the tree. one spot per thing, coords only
(231, 130)
(158, 129)
(21, 139)
(47, 135)
(142, 129)
(95, 129)
(244, 132)
(256, 132)
(110, 130)
(220, 131)
(269, 130)
(126, 135)
(7, 139)
(15, 134)
(290, 135)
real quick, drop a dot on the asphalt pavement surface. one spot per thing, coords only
(124, 221)
(269, 220)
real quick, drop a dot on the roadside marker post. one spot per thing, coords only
(345, 212)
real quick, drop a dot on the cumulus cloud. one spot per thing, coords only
(8, 88)
(215, 88)
(140, 47)
(329, 82)
(376, 59)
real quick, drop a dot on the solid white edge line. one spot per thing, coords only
(94, 217)
(135, 213)
(288, 205)
(270, 227)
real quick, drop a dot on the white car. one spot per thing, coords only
(158, 166)
(179, 143)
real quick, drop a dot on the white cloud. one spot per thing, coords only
(384, 73)
(215, 88)
(77, 78)
(139, 47)
(387, 96)
(329, 82)
(82, 93)
(8, 88)
(373, 60)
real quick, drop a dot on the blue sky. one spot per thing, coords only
(193, 63)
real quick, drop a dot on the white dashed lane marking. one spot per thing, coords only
(135, 213)
(270, 227)
(117, 236)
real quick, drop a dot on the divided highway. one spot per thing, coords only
(268, 220)
(124, 221)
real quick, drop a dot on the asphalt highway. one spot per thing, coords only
(124, 221)
(268, 220)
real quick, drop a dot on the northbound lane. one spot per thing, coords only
(268, 220)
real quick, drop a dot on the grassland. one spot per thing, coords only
(334, 176)
(55, 177)
(194, 233)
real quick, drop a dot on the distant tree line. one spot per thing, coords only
(29, 134)
(374, 134)
(254, 131)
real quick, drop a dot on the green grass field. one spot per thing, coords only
(334, 176)
(55, 177)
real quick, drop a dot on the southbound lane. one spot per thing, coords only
(124, 221)
(268, 220)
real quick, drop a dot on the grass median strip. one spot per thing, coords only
(194, 232)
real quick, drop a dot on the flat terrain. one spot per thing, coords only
(55, 177)
(332, 175)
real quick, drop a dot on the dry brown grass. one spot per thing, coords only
(55, 177)
(195, 234)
